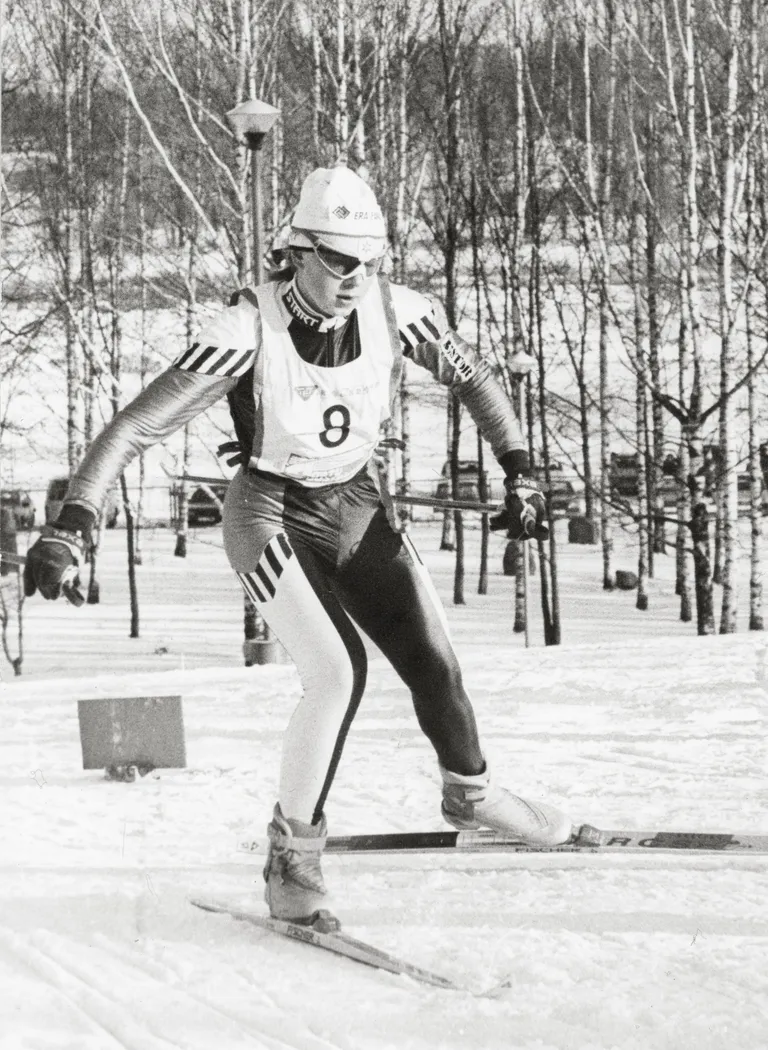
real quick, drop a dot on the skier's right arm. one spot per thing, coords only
(162, 408)
(208, 370)
(170, 401)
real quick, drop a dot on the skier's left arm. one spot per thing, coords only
(429, 341)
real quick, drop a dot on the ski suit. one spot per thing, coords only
(305, 527)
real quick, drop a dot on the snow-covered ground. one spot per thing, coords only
(633, 722)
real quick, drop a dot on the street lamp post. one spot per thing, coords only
(251, 121)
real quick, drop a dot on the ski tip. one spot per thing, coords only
(205, 905)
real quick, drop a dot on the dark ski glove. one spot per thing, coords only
(524, 510)
(52, 565)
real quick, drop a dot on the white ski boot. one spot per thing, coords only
(295, 890)
(474, 802)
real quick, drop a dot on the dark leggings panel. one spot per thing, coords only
(383, 591)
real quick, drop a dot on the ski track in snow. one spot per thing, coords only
(100, 949)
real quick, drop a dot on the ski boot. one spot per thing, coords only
(295, 889)
(473, 802)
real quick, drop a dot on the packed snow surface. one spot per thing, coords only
(632, 722)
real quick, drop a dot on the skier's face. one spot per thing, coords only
(322, 282)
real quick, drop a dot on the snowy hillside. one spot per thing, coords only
(633, 722)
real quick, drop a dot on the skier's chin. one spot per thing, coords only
(345, 304)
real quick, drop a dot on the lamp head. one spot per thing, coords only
(252, 118)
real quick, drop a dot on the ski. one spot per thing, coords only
(338, 942)
(615, 841)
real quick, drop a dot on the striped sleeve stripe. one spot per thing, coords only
(264, 580)
(422, 331)
(251, 589)
(261, 584)
(215, 360)
(430, 326)
(274, 564)
(181, 361)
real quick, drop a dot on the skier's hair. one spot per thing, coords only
(283, 266)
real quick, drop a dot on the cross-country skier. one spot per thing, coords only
(311, 365)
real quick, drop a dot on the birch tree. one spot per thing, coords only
(727, 314)
(599, 187)
(641, 408)
(756, 233)
(452, 27)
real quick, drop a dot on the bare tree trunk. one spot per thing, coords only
(446, 539)
(317, 82)
(450, 33)
(725, 257)
(691, 310)
(655, 495)
(401, 153)
(485, 530)
(755, 473)
(277, 166)
(383, 100)
(600, 203)
(550, 605)
(144, 351)
(116, 354)
(458, 517)
(358, 151)
(641, 410)
(702, 561)
(129, 537)
(519, 187)
(182, 533)
(342, 104)
(756, 212)
(182, 524)
(514, 264)
(477, 236)
(74, 432)
(86, 293)
(682, 576)
(399, 222)
(11, 593)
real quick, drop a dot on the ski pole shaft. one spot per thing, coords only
(414, 501)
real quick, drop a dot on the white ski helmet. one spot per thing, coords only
(340, 211)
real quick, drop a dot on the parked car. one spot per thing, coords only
(54, 498)
(203, 509)
(20, 503)
(624, 474)
(562, 491)
(744, 494)
(469, 483)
